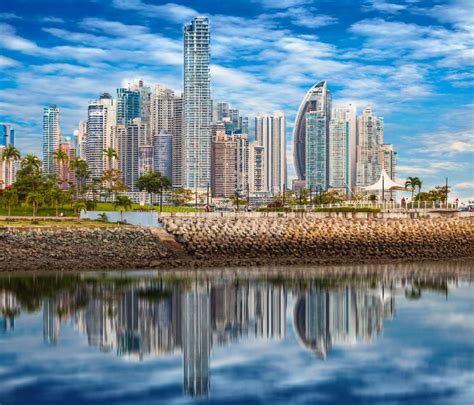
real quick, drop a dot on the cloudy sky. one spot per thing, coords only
(412, 59)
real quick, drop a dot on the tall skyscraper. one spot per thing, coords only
(128, 106)
(317, 99)
(242, 144)
(145, 158)
(197, 105)
(7, 135)
(370, 138)
(388, 159)
(342, 150)
(101, 117)
(177, 169)
(65, 173)
(271, 134)
(51, 137)
(129, 152)
(222, 111)
(316, 145)
(145, 106)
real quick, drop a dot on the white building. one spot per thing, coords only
(342, 149)
(101, 117)
(370, 138)
(271, 134)
(197, 105)
(51, 137)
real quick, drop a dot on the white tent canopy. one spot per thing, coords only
(385, 183)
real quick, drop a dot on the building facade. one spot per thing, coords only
(197, 105)
(257, 169)
(51, 138)
(270, 133)
(370, 138)
(224, 165)
(163, 154)
(342, 150)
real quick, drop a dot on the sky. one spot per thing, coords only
(411, 59)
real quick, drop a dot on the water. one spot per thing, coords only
(361, 334)
(132, 217)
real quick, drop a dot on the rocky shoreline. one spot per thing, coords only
(188, 242)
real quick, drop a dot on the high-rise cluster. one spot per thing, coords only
(336, 150)
(199, 145)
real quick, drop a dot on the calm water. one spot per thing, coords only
(366, 334)
(132, 217)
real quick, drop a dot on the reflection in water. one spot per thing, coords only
(148, 316)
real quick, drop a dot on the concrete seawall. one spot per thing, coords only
(210, 241)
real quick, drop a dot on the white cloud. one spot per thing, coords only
(467, 185)
(7, 62)
(281, 3)
(9, 16)
(171, 11)
(384, 6)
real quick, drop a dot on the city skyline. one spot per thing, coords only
(432, 136)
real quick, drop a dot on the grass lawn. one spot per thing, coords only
(51, 223)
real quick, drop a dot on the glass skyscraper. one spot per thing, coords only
(51, 137)
(7, 135)
(197, 105)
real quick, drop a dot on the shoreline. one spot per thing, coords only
(197, 243)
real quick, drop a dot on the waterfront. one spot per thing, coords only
(347, 334)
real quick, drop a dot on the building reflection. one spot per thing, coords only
(144, 317)
(341, 316)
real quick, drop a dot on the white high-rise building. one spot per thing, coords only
(271, 134)
(342, 149)
(80, 136)
(101, 117)
(51, 138)
(197, 105)
(370, 138)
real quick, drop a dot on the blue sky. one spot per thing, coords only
(411, 59)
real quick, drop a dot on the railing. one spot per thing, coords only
(387, 205)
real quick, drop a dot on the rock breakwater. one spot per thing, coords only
(208, 242)
(310, 240)
(81, 249)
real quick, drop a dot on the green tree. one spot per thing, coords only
(61, 158)
(9, 199)
(328, 197)
(154, 182)
(122, 202)
(82, 173)
(56, 196)
(412, 183)
(29, 177)
(181, 196)
(373, 197)
(78, 206)
(9, 154)
(35, 199)
(111, 155)
(112, 182)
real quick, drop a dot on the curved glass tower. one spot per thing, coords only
(318, 99)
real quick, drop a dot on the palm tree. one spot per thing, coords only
(79, 206)
(82, 172)
(56, 196)
(32, 162)
(61, 157)
(34, 199)
(412, 183)
(111, 154)
(9, 154)
(9, 198)
(122, 201)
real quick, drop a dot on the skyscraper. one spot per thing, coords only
(224, 165)
(129, 152)
(257, 169)
(318, 99)
(370, 137)
(80, 136)
(197, 105)
(177, 169)
(145, 106)
(316, 145)
(101, 117)
(51, 137)
(271, 134)
(342, 149)
(163, 154)
(7, 135)
(128, 106)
